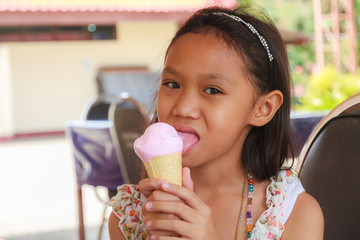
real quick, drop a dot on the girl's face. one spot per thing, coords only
(206, 96)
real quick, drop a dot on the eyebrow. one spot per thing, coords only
(170, 70)
(213, 76)
(216, 76)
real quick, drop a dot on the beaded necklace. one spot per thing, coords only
(249, 226)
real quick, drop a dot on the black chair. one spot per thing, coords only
(102, 148)
(130, 121)
(330, 166)
(97, 108)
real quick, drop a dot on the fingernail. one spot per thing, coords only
(166, 186)
(148, 206)
(153, 237)
(148, 224)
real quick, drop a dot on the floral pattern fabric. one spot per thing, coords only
(270, 224)
(127, 205)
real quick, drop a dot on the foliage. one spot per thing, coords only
(313, 90)
(295, 16)
(327, 88)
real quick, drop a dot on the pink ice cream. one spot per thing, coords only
(159, 139)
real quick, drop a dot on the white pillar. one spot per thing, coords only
(6, 94)
(319, 40)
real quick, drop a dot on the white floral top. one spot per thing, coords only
(128, 202)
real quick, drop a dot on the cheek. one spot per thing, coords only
(229, 128)
(230, 117)
(163, 107)
(231, 110)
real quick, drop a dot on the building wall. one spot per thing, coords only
(48, 83)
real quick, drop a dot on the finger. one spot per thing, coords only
(157, 237)
(187, 181)
(149, 215)
(160, 195)
(188, 196)
(164, 233)
(181, 228)
(178, 209)
(148, 185)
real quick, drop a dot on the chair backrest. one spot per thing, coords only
(95, 156)
(96, 161)
(98, 108)
(130, 120)
(330, 166)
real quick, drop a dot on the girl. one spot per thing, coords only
(225, 83)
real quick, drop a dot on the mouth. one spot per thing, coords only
(189, 136)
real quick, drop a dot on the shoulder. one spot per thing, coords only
(126, 216)
(281, 194)
(306, 220)
(114, 230)
(128, 196)
(288, 203)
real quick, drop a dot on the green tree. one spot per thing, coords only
(313, 90)
(327, 88)
(295, 16)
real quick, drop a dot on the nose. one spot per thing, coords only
(187, 106)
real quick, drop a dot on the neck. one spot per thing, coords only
(218, 176)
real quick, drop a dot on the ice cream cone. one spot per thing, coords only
(167, 167)
(160, 149)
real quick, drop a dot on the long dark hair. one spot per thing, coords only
(266, 148)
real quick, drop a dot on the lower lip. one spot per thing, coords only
(190, 141)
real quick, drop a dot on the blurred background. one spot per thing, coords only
(56, 56)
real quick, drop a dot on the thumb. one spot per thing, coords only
(187, 181)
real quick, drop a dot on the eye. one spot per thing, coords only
(212, 91)
(172, 84)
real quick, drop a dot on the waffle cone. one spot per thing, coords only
(167, 167)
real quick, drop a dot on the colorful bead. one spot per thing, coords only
(248, 207)
(249, 226)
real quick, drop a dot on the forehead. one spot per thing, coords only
(210, 38)
(204, 49)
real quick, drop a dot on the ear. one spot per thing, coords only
(266, 107)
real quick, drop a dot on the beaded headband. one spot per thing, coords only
(253, 30)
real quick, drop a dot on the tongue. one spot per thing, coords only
(189, 141)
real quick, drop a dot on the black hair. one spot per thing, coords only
(267, 147)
